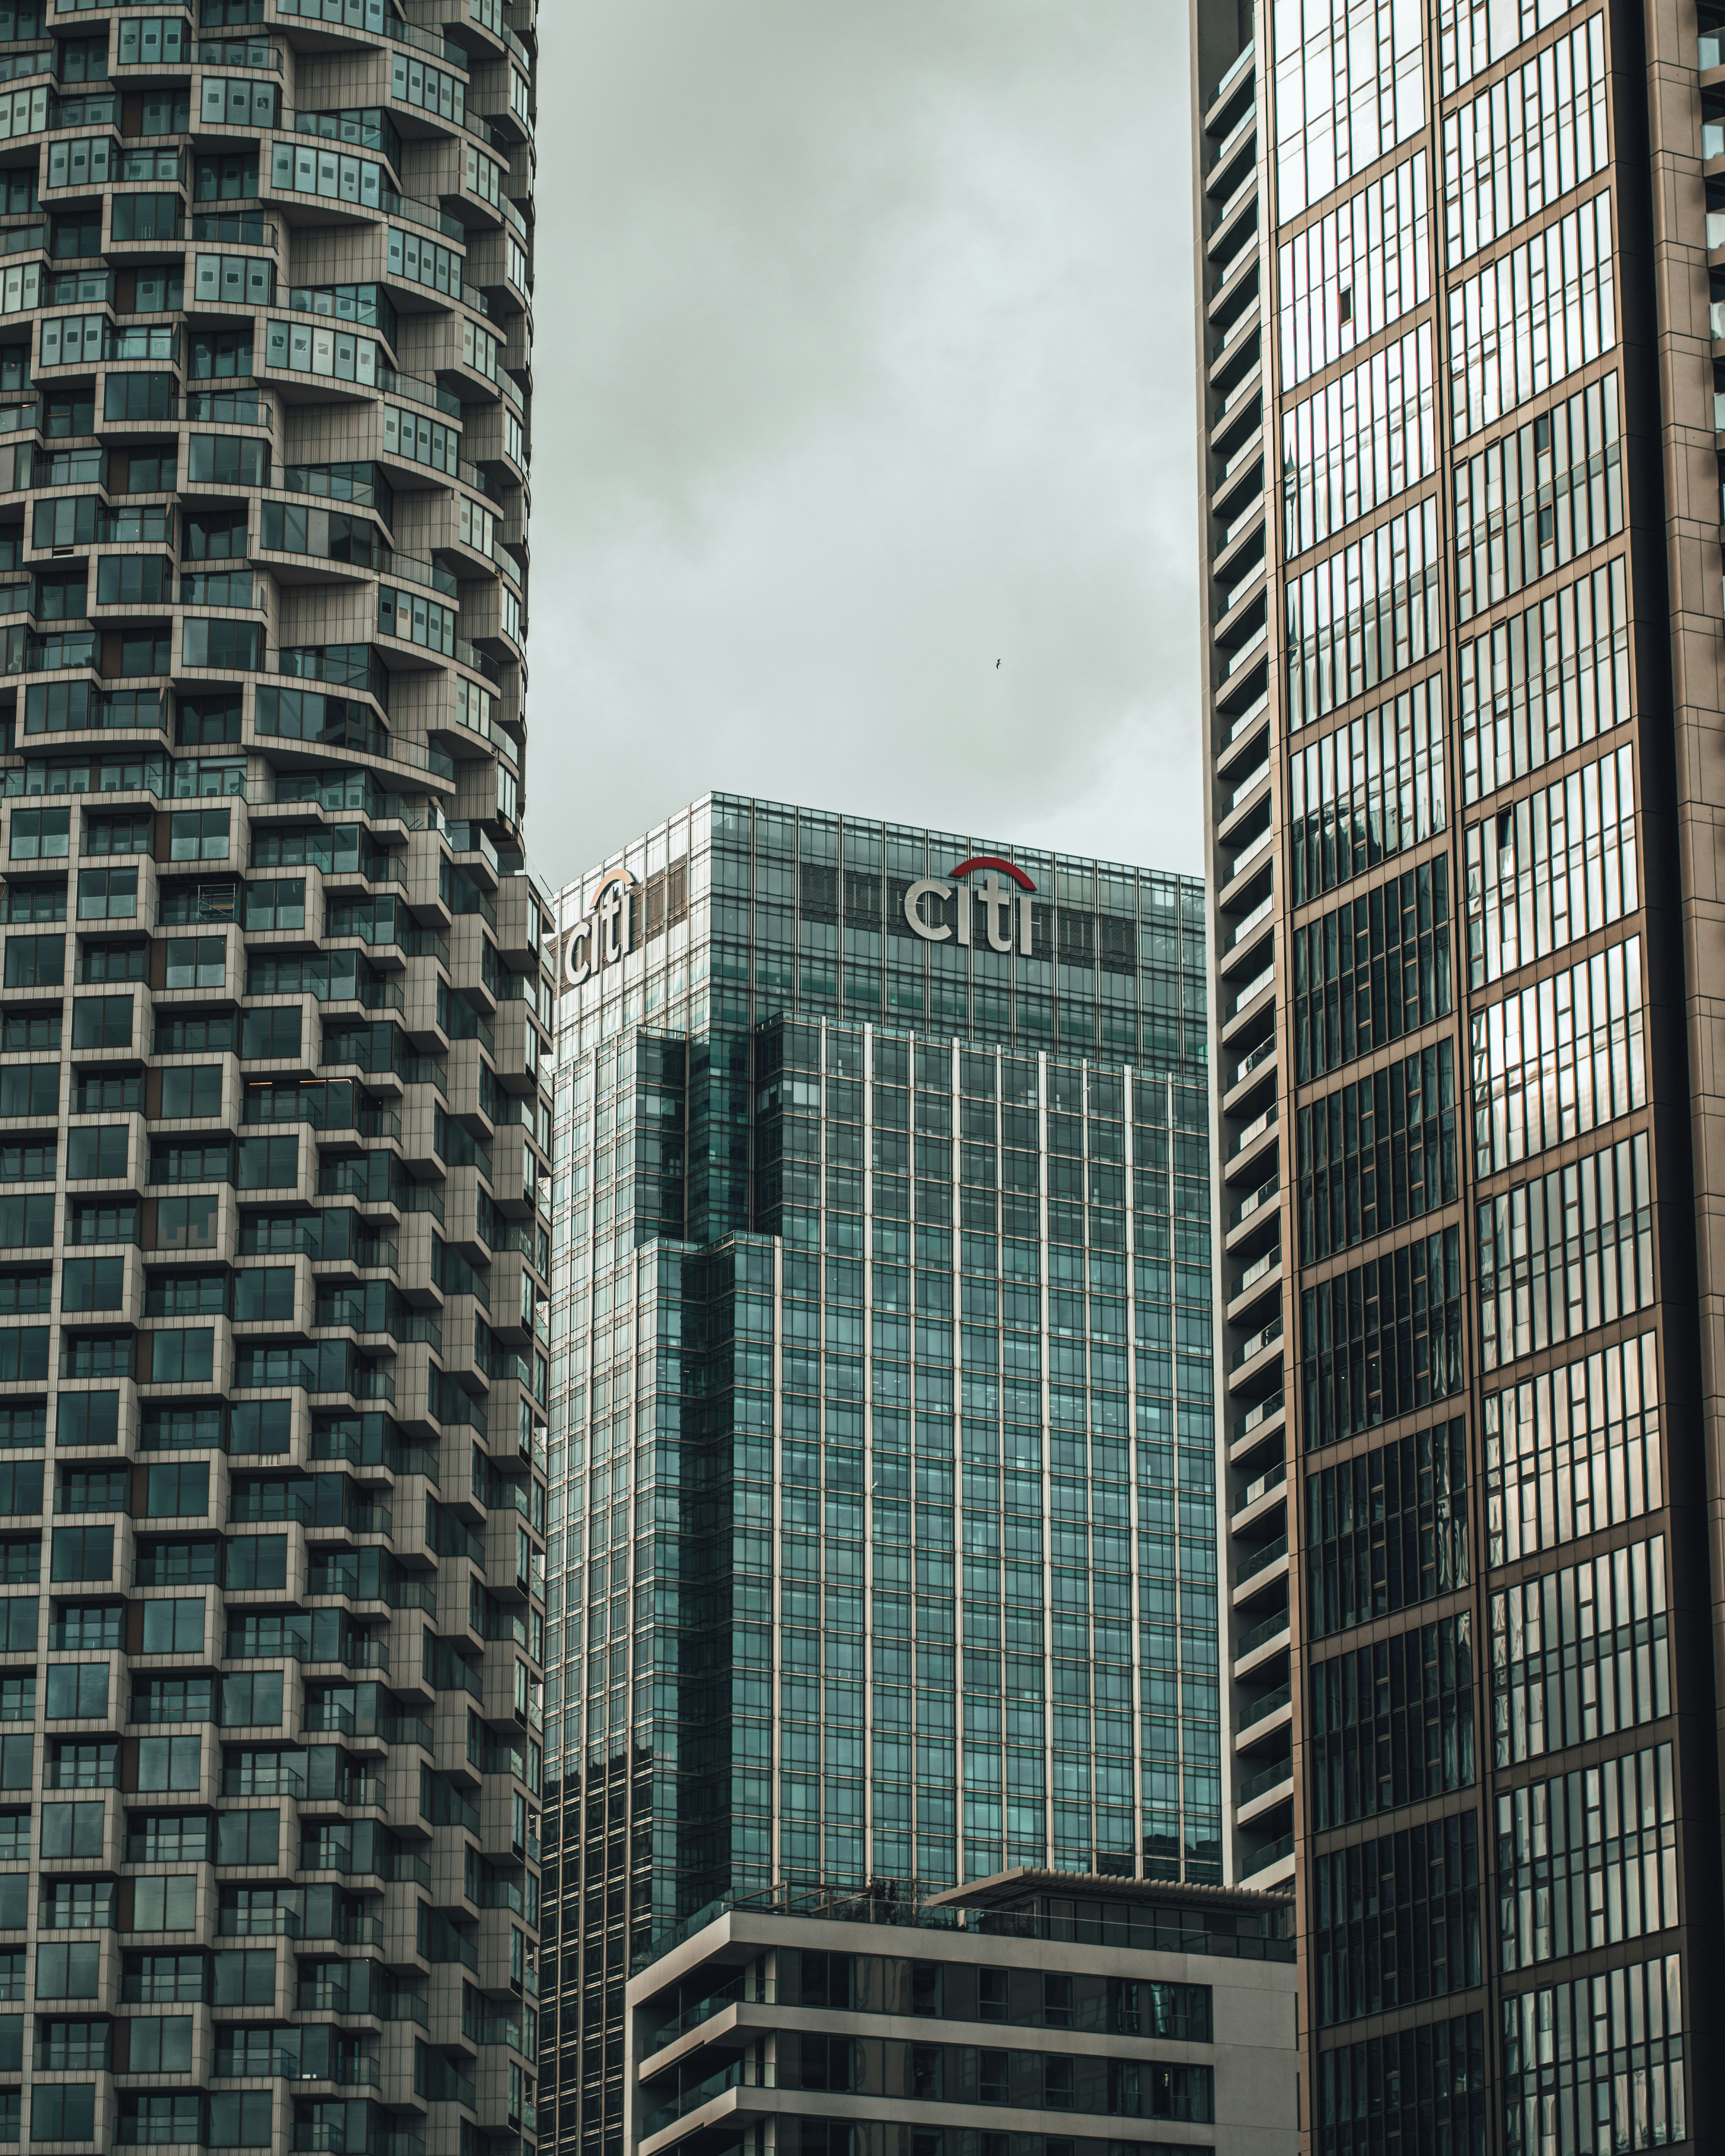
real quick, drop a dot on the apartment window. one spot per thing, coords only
(1393, 1723)
(1559, 1058)
(1536, 315)
(1474, 35)
(1388, 1530)
(78, 1691)
(83, 1553)
(107, 894)
(1587, 1860)
(40, 835)
(1545, 681)
(1396, 1922)
(62, 2111)
(1379, 1153)
(1574, 1449)
(1565, 1252)
(72, 1829)
(1535, 499)
(1367, 792)
(1374, 970)
(1580, 1655)
(1348, 89)
(1356, 272)
(1570, 2051)
(1357, 443)
(35, 961)
(1382, 1340)
(1428, 2082)
(1363, 614)
(1517, 147)
(1549, 869)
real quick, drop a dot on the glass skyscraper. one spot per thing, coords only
(882, 1537)
(1462, 697)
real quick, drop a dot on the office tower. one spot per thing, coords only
(1461, 713)
(272, 1208)
(1030, 2014)
(883, 1539)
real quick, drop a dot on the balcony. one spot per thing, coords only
(1255, 1202)
(1254, 988)
(1239, 142)
(1243, 790)
(1244, 731)
(1260, 1561)
(1258, 1421)
(1276, 1784)
(1230, 80)
(1249, 1647)
(1273, 1478)
(1259, 1711)
(257, 1924)
(1259, 1060)
(1238, 286)
(1247, 1140)
(1259, 1271)
(1262, 1860)
(1267, 1335)
(1266, 1569)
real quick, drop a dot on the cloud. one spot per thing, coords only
(864, 361)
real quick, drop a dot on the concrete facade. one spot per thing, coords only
(274, 1168)
(1020, 2016)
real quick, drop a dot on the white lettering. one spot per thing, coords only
(996, 900)
(931, 931)
(607, 935)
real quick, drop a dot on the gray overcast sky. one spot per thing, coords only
(863, 360)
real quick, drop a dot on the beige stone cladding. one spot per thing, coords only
(1033, 2013)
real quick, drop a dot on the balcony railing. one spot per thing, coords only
(1266, 1337)
(1261, 1560)
(1271, 1479)
(1282, 1770)
(1266, 1629)
(1253, 1130)
(1257, 1199)
(1266, 1704)
(257, 1924)
(1231, 74)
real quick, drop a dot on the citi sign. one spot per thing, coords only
(998, 900)
(607, 933)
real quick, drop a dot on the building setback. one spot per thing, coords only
(883, 1540)
(1031, 2014)
(274, 1199)
(1462, 697)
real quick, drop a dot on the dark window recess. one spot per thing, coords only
(862, 900)
(1077, 937)
(1379, 1153)
(817, 890)
(1389, 1530)
(1421, 2089)
(1373, 970)
(1382, 1340)
(1393, 1723)
(1397, 1921)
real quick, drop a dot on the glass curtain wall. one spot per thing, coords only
(883, 1514)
